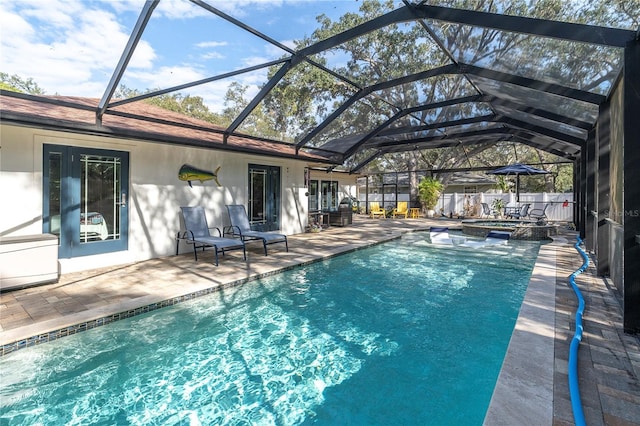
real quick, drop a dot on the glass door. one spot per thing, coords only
(329, 197)
(85, 199)
(264, 197)
(314, 206)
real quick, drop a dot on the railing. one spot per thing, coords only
(574, 387)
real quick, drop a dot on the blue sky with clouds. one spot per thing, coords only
(71, 47)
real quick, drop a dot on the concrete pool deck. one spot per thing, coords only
(532, 387)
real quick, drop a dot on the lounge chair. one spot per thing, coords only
(440, 235)
(493, 238)
(401, 210)
(539, 214)
(240, 227)
(376, 211)
(198, 233)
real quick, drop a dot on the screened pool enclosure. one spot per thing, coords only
(386, 83)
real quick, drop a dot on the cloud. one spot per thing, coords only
(164, 77)
(67, 47)
(206, 44)
(212, 55)
(240, 8)
(72, 47)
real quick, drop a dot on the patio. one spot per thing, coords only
(609, 359)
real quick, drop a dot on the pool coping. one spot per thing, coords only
(524, 390)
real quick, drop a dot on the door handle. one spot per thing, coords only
(123, 200)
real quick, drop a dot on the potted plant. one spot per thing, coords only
(498, 206)
(429, 190)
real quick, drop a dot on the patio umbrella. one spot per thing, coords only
(518, 170)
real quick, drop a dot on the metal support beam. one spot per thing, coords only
(569, 121)
(581, 192)
(369, 159)
(456, 69)
(603, 185)
(438, 125)
(453, 137)
(258, 98)
(534, 26)
(379, 129)
(530, 83)
(591, 195)
(399, 15)
(368, 90)
(631, 193)
(335, 114)
(196, 83)
(542, 131)
(524, 138)
(136, 34)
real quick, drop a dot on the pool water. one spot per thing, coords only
(402, 333)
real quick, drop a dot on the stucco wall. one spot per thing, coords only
(155, 193)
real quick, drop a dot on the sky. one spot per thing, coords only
(71, 47)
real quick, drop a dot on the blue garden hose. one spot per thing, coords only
(574, 387)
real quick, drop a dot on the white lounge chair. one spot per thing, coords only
(440, 235)
(493, 238)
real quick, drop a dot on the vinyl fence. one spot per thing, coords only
(457, 204)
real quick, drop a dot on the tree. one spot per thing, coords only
(15, 83)
(192, 106)
(429, 190)
(307, 95)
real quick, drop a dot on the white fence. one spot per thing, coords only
(560, 204)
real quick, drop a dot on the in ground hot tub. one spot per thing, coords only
(520, 229)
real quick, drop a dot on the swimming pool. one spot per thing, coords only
(400, 333)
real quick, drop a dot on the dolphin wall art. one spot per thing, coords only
(189, 173)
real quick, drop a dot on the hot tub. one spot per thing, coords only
(520, 229)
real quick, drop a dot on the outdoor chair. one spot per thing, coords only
(240, 227)
(493, 238)
(376, 211)
(539, 214)
(522, 213)
(401, 210)
(486, 210)
(198, 233)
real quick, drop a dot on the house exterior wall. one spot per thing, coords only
(155, 192)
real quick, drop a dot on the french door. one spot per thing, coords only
(314, 205)
(85, 193)
(264, 197)
(329, 195)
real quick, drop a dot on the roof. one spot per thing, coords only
(138, 120)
